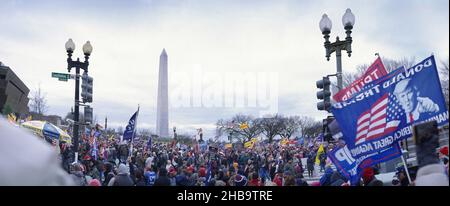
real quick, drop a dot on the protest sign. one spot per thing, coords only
(374, 120)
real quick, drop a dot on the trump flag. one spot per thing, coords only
(374, 72)
(375, 119)
(128, 134)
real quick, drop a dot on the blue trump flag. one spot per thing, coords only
(128, 134)
(375, 119)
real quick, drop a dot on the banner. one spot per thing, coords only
(374, 120)
(334, 126)
(352, 167)
(375, 71)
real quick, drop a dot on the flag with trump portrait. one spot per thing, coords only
(375, 119)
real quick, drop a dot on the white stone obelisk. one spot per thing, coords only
(162, 113)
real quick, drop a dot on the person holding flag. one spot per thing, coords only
(130, 130)
(321, 157)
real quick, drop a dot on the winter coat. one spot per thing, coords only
(162, 181)
(310, 162)
(140, 182)
(300, 182)
(278, 180)
(254, 182)
(121, 180)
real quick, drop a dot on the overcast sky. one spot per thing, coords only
(207, 42)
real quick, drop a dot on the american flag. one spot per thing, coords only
(380, 119)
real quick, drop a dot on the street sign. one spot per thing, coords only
(61, 76)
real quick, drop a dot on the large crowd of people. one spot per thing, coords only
(175, 164)
(106, 161)
(202, 164)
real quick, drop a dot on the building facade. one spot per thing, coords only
(13, 92)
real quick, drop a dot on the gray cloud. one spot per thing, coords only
(231, 36)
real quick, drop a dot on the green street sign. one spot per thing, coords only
(61, 76)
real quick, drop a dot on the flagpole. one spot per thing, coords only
(404, 163)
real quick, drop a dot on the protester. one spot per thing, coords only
(162, 179)
(240, 180)
(300, 181)
(172, 176)
(108, 173)
(150, 176)
(310, 164)
(167, 164)
(78, 176)
(140, 180)
(325, 180)
(254, 181)
(369, 178)
(122, 178)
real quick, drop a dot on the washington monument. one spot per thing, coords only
(162, 112)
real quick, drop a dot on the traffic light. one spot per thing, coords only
(324, 94)
(86, 88)
(88, 114)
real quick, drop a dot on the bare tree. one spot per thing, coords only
(233, 126)
(290, 125)
(314, 129)
(309, 126)
(38, 102)
(389, 64)
(271, 126)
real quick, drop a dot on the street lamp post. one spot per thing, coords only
(87, 50)
(348, 20)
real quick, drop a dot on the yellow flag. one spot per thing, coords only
(319, 152)
(249, 144)
(243, 125)
(29, 118)
(284, 142)
(228, 146)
